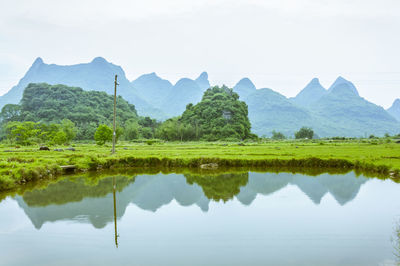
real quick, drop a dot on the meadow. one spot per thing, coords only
(22, 165)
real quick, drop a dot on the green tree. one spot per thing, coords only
(304, 133)
(69, 129)
(10, 112)
(60, 138)
(23, 133)
(103, 134)
(278, 135)
(131, 130)
(146, 132)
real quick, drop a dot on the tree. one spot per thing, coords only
(69, 129)
(277, 135)
(60, 138)
(304, 133)
(23, 133)
(10, 112)
(103, 134)
(131, 130)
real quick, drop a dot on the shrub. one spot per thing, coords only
(103, 134)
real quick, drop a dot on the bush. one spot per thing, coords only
(103, 134)
(60, 138)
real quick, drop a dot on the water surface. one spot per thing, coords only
(227, 219)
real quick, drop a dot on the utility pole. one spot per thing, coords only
(115, 114)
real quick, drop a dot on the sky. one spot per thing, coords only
(278, 44)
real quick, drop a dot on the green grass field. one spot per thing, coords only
(19, 166)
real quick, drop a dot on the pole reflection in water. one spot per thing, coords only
(115, 212)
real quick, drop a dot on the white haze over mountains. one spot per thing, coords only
(279, 44)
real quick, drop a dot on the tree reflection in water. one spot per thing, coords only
(219, 187)
(87, 200)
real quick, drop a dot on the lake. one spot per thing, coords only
(204, 219)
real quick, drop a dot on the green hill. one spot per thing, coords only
(219, 115)
(87, 109)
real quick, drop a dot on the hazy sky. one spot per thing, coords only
(279, 44)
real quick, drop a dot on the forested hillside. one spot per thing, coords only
(52, 103)
(219, 115)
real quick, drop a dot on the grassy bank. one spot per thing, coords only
(23, 165)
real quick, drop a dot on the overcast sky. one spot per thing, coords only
(278, 44)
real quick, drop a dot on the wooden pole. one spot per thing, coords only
(115, 114)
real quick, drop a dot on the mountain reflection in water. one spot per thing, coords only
(79, 200)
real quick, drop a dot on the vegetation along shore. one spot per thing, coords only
(27, 164)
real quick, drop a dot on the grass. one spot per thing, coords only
(21, 166)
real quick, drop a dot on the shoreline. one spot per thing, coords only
(26, 166)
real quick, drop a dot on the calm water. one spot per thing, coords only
(230, 219)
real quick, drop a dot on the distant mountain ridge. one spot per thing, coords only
(394, 110)
(310, 94)
(337, 111)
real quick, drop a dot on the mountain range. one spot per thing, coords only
(336, 111)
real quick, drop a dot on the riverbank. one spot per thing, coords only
(20, 166)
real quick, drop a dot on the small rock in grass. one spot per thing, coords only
(209, 166)
(58, 150)
(70, 149)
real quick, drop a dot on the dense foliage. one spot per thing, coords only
(48, 104)
(28, 132)
(219, 115)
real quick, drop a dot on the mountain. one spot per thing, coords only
(219, 115)
(338, 111)
(170, 99)
(269, 110)
(394, 110)
(87, 109)
(202, 81)
(342, 112)
(152, 88)
(97, 75)
(185, 91)
(310, 94)
(344, 85)
(244, 88)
